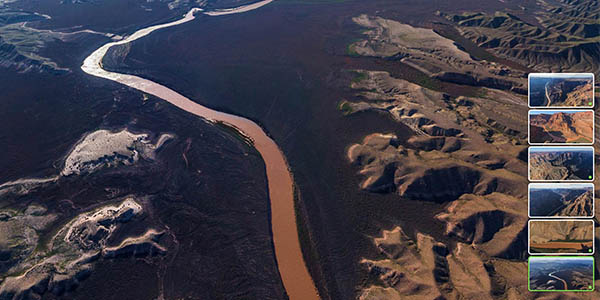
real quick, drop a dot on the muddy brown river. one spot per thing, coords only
(294, 274)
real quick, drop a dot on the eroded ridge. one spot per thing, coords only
(467, 153)
(423, 268)
(432, 54)
(57, 266)
(94, 151)
(102, 147)
(564, 38)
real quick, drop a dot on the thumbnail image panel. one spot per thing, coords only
(556, 200)
(561, 163)
(560, 274)
(561, 90)
(561, 237)
(554, 127)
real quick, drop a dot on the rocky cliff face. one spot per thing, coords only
(537, 134)
(580, 95)
(582, 206)
(569, 92)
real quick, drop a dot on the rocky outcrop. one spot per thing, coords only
(144, 245)
(68, 257)
(95, 150)
(424, 269)
(580, 95)
(410, 268)
(468, 273)
(91, 231)
(105, 148)
(568, 92)
(494, 224)
(428, 143)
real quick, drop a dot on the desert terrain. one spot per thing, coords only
(466, 161)
(404, 125)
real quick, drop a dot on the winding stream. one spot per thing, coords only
(558, 278)
(294, 274)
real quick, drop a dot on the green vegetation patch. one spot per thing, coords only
(359, 76)
(345, 107)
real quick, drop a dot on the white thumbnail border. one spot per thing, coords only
(554, 253)
(561, 75)
(566, 149)
(559, 110)
(565, 185)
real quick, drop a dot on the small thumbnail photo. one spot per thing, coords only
(561, 126)
(561, 237)
(556, 200)
(561, 163)
(551, 273)
(561, 90)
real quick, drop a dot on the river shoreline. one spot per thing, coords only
(292, 268)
